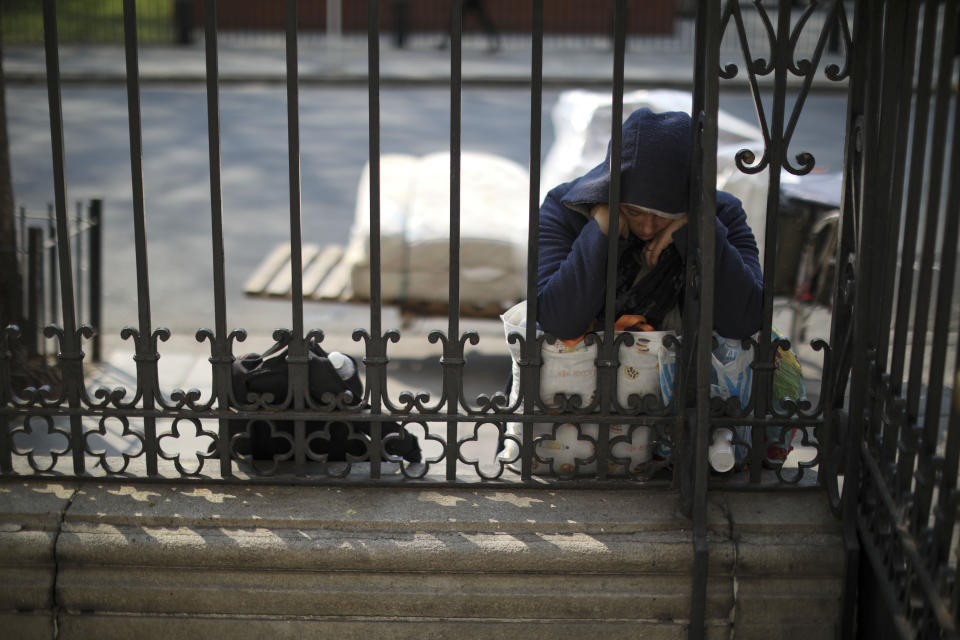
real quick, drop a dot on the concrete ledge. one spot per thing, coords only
(164, 628)
(30, 517)
(27, 625)
(344, 562)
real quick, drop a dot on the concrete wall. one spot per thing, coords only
(162, 561)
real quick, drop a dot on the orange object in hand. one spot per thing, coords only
(626, 322)
(623, 323)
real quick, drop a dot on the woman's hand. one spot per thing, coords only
(661, 240)
(601, 213)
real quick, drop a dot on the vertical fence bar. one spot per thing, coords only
(32, 334)
(51, 274)
(927, 471)
(530, 373)
(705, 155)
(78, 253)
(907, 237)
(776, 150)
(685, 381)
(905, 59)
(146, 354)
(297, 351)
(451, 358)
(96, 275)
(946, 503)
(6, 397)
(935, 178)
(841, 326)
(841, 323)
(607, 360)
(221, 357)
(928, 442)
(914, 193)
(889, 139)
(376, 360)
(862, 124)
(948, 268)
(71, 357)
(23, 237)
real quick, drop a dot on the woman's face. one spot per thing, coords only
(644, 223)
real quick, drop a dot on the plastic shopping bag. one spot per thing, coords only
(570, 369)
(640, 366)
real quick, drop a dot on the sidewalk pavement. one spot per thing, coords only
(582, 62)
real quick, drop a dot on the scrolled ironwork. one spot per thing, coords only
(802, 465)
(785, 57)
(627, 438)
(325, 434)
(423, 467)
(30, 453)
(552, 436)
(246, 435)
(103, 458)
(199, 432)
(477, 464)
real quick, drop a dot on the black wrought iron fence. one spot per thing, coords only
(900, 288)
(898, 463)
(588, 430)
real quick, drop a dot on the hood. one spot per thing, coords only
(654, 165)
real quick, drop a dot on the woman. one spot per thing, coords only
(651, 222)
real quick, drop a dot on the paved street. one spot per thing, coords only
(255, 180)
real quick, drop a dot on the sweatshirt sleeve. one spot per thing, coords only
(738, 293)
(572, 266)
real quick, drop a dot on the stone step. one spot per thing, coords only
(428, 562)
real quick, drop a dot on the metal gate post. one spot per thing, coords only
(703, 199)
(857, 169)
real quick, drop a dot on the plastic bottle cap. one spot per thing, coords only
(343, 364)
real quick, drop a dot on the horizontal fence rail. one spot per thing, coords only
(531, 434)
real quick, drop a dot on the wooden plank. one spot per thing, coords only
(283, 281)
(268, 270)
(326, 277)
(336, 285)
(314, 274)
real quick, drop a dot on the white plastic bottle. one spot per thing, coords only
(720, 454)
(343, 364)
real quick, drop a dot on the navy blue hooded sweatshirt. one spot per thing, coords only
(655, 173)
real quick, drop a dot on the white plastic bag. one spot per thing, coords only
(564, 447)
(640, 365)
(732, 375)
(566, 369)
(571, 370)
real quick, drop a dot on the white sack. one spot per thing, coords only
(571, 370)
